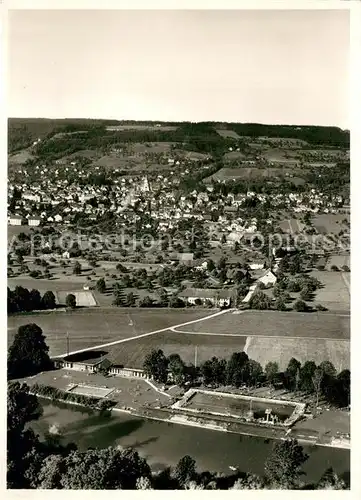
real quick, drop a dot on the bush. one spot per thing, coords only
(346, 269)
(334, 268)
(320, 307)
(300, 306)
(280, 304)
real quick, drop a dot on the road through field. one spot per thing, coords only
(101, 346)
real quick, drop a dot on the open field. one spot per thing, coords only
(114, 128)
(335, 294)
(20, 157)
(227, 133)
(97, 326)
(132, 353)
(71, 284)
(330, 223)
(233, 155)
(16, 230)
(281, 350)
(338, 261)
(277, 324)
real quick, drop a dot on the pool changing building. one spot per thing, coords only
(93, 362)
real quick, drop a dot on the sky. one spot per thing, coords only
(287, 67)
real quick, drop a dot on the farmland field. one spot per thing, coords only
(335, 294)
(132, 353)
(97, 326)
(281, 350)
(277, 324)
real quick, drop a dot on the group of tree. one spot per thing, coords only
(22, 300)
(240, 370)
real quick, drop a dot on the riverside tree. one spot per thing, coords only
(283, 467)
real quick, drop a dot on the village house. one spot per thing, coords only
(15, 220)
(268, 278)
(34, 221)
(217, 297)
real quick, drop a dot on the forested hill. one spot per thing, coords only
(24, 131)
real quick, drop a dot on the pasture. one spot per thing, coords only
(281, 350)
(88, 328)
(191, 348)
(277, 324)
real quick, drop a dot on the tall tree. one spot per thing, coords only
(28, 353)
(317, 381)
(185, 470)
(48, 300)
(271, 371)
(283, 467)
(70, 301)
(156, 365)
(177, 368)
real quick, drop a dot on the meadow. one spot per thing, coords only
(89, 328)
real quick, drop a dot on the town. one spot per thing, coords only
(178, 249)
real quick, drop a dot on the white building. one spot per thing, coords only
(268, 278)
(34, 221)
(15, 220)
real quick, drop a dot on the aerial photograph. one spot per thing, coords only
(178, 249)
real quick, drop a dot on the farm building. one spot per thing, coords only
(218, 297)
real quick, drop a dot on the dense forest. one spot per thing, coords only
(201, 137)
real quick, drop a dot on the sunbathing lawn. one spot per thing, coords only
(132, 353)
(281, 350)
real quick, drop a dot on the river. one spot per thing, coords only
(163, 444)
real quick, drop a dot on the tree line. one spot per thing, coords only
(240, 370)
(22, 300)
(47, 464)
